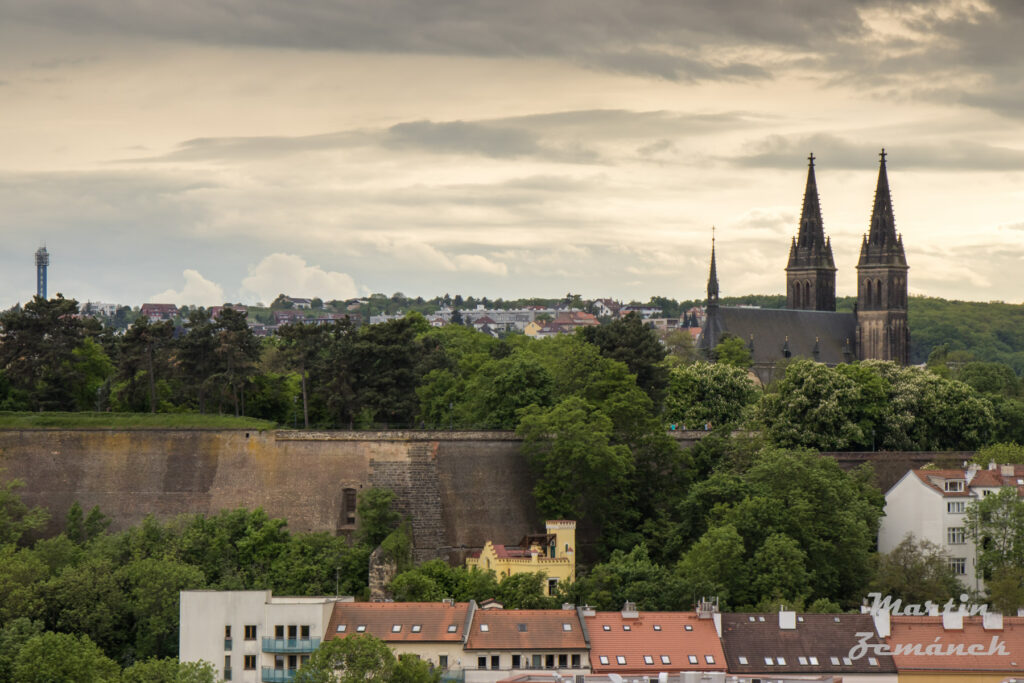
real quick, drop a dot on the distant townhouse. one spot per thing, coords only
(797, 646)
(288, 316)
(252, 636)
(553, 552)
(215, 311)
(643, 311)
(979, 649)
(159, 312)
(932, 505)
(500, 641)
(633, 643)
(432, 631)
(606, 307)
(299, 303)
(99, 308)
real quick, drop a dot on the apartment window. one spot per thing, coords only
(304, 632)
(227, 662)
(442, 661)
(956, 507)
(648, 659)
(250, 631)
(954, 485)
(958, 565)
(303, 660)
(575, 661)
(552, 586)
(348, 506)
(955, 535)
(249, 662)
(516, 661)
(227, 633)
(279, 632)
(279, 662)
(692, 659)
(537, 661)
(293, 662)
(481, 662)
(495, 662)
(293, 632)
(549, 661)
(563, 661)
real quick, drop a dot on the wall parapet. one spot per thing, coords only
(395, 435)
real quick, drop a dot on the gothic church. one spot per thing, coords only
(810, 327)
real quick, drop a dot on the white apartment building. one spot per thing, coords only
(252, 636)
(932, 505)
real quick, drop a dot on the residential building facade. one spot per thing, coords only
(553, 553)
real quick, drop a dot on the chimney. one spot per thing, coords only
(1006, 470)
(629, 610)
(992, 621)
(787, 620)
(883, 626)
(707, 607)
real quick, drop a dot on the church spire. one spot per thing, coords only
(882, 245)
(811, 249)
(713, 274)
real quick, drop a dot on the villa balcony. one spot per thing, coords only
(271, 675)
(290, 646)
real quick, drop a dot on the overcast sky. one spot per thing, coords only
(202, 151)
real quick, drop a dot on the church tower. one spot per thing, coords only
(811, 272)
(882, 331)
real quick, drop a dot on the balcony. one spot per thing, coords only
(271, 675)
(290, 645)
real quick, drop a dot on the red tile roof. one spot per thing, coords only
(653, 635)
(924, 631)
(418, 621)
(516, 629)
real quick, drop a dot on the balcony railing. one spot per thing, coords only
(271, 675)
(290, 645)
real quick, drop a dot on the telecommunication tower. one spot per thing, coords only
(42, 261)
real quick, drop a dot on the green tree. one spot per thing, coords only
(301, 344)
(996, 525)
(92, 372)
(377, 517)
(63, 658)
(1006, 589)
(144, 358)
(628, 340)
(716, 565)
(704, 393)
(579, 473)
(237, 352)
(353, 659)
(196, 353)
(732, 351)
(74, 526)
(16, 518)
(169, 670)
(915, 571)
(153, 586)
(999, 453)
(630, 576)
(501, 388)
(13, 635)
(88, 599)
(779, 568)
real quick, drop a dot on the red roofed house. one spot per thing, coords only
(158, 312)
(932, 505)
(500, 641)
(553, 553)
(955, 647)
(433, 631)
(632, 643)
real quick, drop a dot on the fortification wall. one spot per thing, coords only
(459, 488)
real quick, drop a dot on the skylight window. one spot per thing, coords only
(566, 627)
(396, 628)
(665, 659)
(341, 628)
(648, 659)
(485, 628)
(813, 661)
(800, 619)
(835, 619)
(872, 661)
(688, 627)
(769, 661)
(751, 618)
(361, 628)
(781, 661)
(692, 658)
(604, 660)
(802, 661)
(847, 662)
(621, 659)
(452, 628)
(743, 660)
(416, 628)
(834, 660)
(627, 627)
(709, 659)
(657, 627)
(760, 618)
(606, 627)
(522, 628)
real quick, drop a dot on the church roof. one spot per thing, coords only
(824, 336)
(882, 246)
(811, 249)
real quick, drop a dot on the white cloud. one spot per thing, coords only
(198, 291)
(479, 264)
(289, 274)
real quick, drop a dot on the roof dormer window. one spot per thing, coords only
(954, 485)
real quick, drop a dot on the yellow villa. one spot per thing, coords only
(553, 553)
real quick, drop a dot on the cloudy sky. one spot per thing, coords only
(201, 151)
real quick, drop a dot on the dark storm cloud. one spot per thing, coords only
(557, 137)
(777, 151)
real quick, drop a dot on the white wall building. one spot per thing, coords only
(252, 636)
(932, 505)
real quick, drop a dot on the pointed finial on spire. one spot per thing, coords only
(881, 155)
(811, 158)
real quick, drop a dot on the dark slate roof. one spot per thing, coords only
(822, 636)
(832, 332)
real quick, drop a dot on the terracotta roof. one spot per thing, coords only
(651, 637)
(925, 631)
(417, 621)
(926, 477)
(515, 629)
(820, 643)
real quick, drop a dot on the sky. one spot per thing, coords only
(203, 151)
